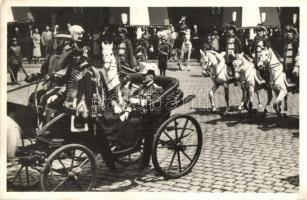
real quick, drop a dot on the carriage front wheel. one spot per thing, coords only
(177, 146)
(69, 168)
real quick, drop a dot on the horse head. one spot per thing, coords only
(205, 60)
(238, 64)
(107, 52)
(264, 59)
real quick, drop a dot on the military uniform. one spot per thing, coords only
(233, 46)
(290, 52)
(124, 52)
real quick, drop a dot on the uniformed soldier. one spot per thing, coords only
(290, 51)
(124, 49)
(260, 43)
(233, 46)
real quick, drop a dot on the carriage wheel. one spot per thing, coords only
(23, 171)
(177, 146)
(134, 157)
(69, 168)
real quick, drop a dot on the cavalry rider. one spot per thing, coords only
(260, 43)
(290, 51)
(233, 47)
(124, 49)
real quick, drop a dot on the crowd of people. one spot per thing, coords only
(170, 43)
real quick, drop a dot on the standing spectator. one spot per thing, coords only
(14, 60)
(172, 38)
(36, 45)
(47, 42)
(16, 34)
(215, 41)
(54, 32)
(163, 50)
(154, 42)
(195, 41)
(291, 45)
(96, 41)
(28, 44)
(68, 25)
(124, 49)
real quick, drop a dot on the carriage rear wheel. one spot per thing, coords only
(69, 168)
(177, 146)
(24, 170)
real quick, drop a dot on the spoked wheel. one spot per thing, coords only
(69, 168)
(177, 146)
(24, 170)
(133, 158)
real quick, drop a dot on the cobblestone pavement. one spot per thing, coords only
(238, 154)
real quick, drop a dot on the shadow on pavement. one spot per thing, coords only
(234, 118)
(130, 176)
(293, 180)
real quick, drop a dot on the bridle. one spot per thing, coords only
(271, 66)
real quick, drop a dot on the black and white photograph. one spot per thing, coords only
(133, 99)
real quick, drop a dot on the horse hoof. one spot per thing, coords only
(214, 109)
(284, 115)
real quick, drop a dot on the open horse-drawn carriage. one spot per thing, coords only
(61, 160)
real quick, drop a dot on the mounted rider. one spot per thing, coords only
(291, 45)
(233, 46)
(261, 42)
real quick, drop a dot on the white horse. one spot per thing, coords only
(13, 132)
(186, 48)
(110, 69)
(214, 63)
(245, 71)
(269, 61)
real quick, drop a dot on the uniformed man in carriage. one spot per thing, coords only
(233, 47)
(290, 51)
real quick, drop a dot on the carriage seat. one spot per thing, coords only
(168, 84)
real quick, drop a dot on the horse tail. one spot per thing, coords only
(13, 137)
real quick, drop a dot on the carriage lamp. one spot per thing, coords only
(294, 18)
(124, 17)
(234, 16)
(263, 17)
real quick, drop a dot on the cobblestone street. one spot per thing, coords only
(238, 154)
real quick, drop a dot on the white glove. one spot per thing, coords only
(52, 99)
(134, 100)
(117, 109)
(124, 116)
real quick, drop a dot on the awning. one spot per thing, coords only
(139, 16)
(20, 15)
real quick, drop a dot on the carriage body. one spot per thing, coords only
(54, 151)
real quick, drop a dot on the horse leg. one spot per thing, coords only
(188, 59)
(259, 100)
(211, 94)
(251, 98)
(243, 98)
(226, 90)
(284, 113)
(277, 103)
(270, 97)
